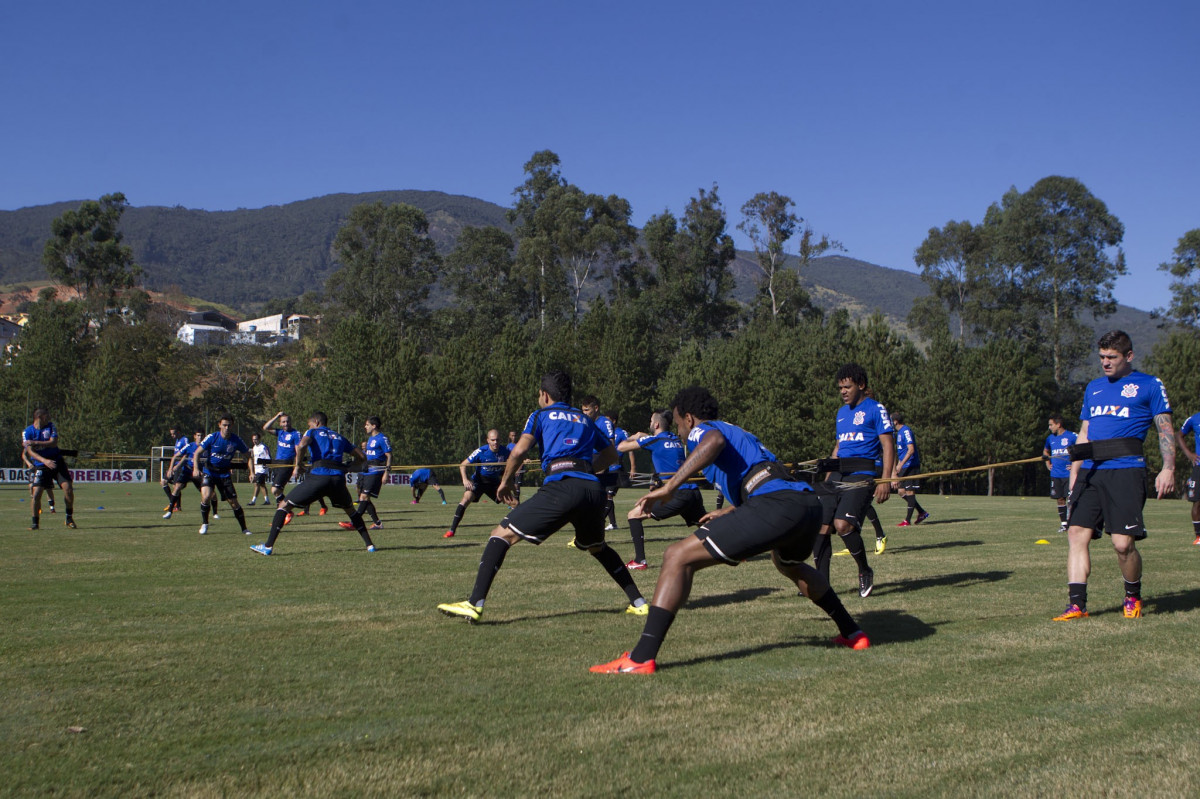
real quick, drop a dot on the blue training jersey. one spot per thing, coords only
(286, 442)
(565, 432)
(1191, 425)
(189, 455)
(181, 443)
(377, 449)
(1060, 458)
(741, 453)
(904, 442)
(420, 476)
(32, 435)
(618, 436)
(326, 445)
(666, 453)
(1122, 408)
(859, 429)
(484, 455)
(220, 453)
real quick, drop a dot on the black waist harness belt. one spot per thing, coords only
(329, 464)
(568, 465)
(844, 465)
(1106, 449)
(761, 473)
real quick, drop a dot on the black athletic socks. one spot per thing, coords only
(442, 495)
(1195, 528)
(612, 563)
(1133, 589)
(873, 517)
(912, 505)
(368, 506)
(1078, 594)
(658, 622)
(833, 607)
(276, 525)
(204, 513)
(1062, 515)
(720, 500)
(489, 564)
(167, 490)
(854, 544)
(240, 515)
(357, 520)
(822, 553)
(638, 534)
(458, 514)
(610, 510)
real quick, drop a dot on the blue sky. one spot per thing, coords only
(881, 119)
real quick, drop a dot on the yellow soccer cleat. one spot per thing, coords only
(463, 610)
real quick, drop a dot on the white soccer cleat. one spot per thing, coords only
(204, 529)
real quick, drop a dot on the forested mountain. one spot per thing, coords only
(245, 257)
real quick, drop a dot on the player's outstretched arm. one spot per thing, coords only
(1165, 482)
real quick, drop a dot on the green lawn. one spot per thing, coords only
(198, 668)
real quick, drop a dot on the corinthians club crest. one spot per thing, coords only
(1129, 390)
(860, 417)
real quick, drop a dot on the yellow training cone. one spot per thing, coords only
(1041, 541)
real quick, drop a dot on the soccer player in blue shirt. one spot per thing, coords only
(326, 478)
(573, 451)
(218, 449)
(666, 453)
(1108, 487)
(177, 440)
(420, 480)
(1056, 453)
(39, 443)
(181, 472)
(768, 511)
(378, 452)
(489, 463)
(287, 438)
(908, 461)
(864, 435)
(610, 478)
(1192, 425)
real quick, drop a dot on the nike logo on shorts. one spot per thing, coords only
(1130, 526)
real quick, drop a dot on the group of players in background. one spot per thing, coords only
(1098, 479)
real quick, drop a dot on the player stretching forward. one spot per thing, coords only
(573, 450)
(219, 449)
(327, 478)
(1192, 425)
(486, 479)
(864, 435)
(1057, 456)
(420, 480)
(1108, 483)
(666, 452)
(378, 452)
(39, 444)
(768, 511)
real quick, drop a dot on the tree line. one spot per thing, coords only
(633, 315)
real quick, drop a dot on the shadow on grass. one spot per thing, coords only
(941, 581)
(931, 522)
(883, 627)
(609, 611)
(1174, 602)
(732, 598)
(943, 545)
(894, 627)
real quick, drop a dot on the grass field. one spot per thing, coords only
(197, 668)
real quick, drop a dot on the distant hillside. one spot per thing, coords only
(245, 257)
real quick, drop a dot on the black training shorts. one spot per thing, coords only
(1060, 487)
(222, 482)
(316, 486)
(260, 478)
(481, 489)
(281, 476)
(784, 521)
(1193, 485)
(1109, 499)
(572, 500)
(688, 504)
(46, 476)
(370, 483)
(842, 498)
